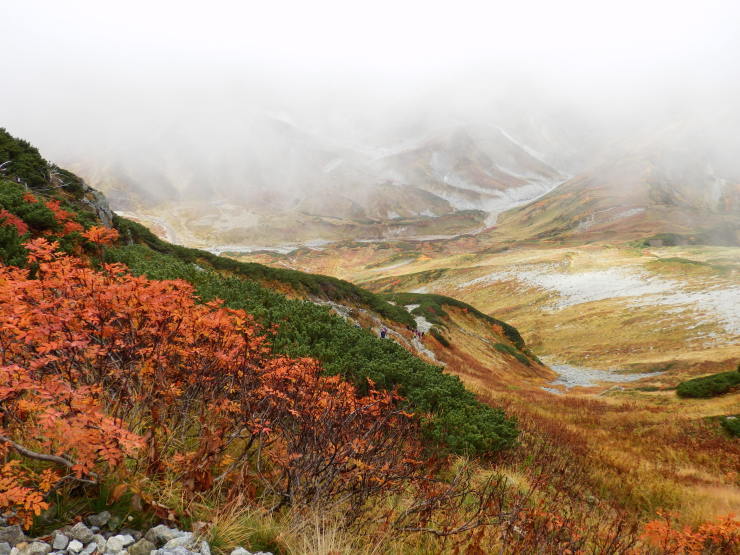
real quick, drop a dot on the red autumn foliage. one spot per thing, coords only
(8, 218)
(63, 217)
(60, 214)
(87, 355)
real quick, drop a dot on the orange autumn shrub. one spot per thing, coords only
(88, 355)
(720, 536)
(101, 235)
(51, 420)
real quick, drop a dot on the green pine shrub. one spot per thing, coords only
(709, 386)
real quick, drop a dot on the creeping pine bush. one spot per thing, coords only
(709, 386)
(22, 160)
(731, 424)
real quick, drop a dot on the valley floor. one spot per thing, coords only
(621, 327)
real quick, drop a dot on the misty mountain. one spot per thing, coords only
(662, 181)
(429, 181)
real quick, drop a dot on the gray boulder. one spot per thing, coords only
(75, 546)
(142, 547)
(173, 551)
(136, 534)
(5, 548)
(99, 542)
(34, 548)
(114, 523)
(60, 542)
(160, 535)
(81, 533)
(99, 520)
(12, 535)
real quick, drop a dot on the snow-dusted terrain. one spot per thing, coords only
(721, 302)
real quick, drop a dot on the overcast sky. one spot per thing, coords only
(81, 75)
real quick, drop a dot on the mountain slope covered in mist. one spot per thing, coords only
(656, 184)
(299, 186)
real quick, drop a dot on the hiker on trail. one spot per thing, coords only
(383, 331)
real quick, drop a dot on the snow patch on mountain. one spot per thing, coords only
(607, 216)
(533, 153)
(718, 302)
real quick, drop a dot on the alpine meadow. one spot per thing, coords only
(359, 278)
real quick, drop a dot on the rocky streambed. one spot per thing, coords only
(577, 376)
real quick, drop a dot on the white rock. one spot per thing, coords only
(114, 545)
(180, 541)
(75, 546)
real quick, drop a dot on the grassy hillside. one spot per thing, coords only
(307, 330)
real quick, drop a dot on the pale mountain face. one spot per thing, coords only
(294, 184)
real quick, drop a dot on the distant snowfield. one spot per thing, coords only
(721, 302)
